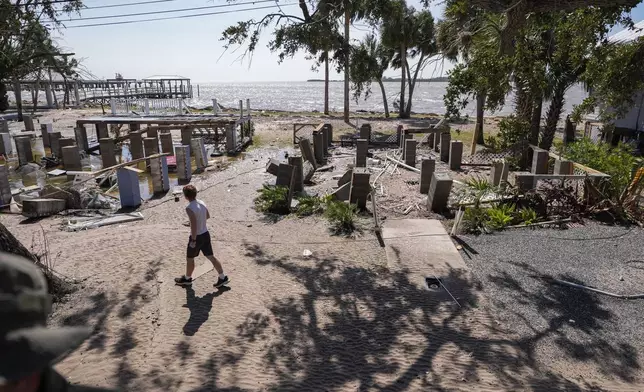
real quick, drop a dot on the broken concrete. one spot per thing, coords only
(439, 190)
(342, 193)
(307, 172)
(36, 208)
(71, 158)
(307, 152)
(298, 173)
(455, 155)
(362, 148)
(272, 166)
(360, 187)
(427, 168)
(346, 177)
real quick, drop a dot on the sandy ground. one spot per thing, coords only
(340, 320)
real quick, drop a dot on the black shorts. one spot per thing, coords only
(203, 245)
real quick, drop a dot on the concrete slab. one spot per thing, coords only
(421, 246)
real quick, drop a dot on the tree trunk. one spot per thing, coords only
(347, 22)
(53, 90)
(4, 99)
(480, 113)
(18, 94)
(552, 118)
(403, 81)
(535, 123)
(523, 102)
(384, 97)
(326, 83)
(10, 244)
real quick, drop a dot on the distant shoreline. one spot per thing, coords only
(441, 79)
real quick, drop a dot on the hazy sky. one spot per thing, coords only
(191, 47)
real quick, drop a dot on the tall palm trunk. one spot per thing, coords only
(523, 102)
(384, 97)
(535, 124)
(326, 82)
(480, 113)
(347, 23)
(403, 81)
(552, 117)
(17, 90)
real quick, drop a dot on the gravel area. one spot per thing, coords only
(587, 333)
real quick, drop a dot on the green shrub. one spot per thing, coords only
(500, 217)
(511, 131)
(341, 216)
(273, 199)
(474, 220)
(527, 215)
(309, 205)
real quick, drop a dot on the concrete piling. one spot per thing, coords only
(129, 192)
(446, 139)
(540, 161)
(166, 143)
(29, 123)
(45, 129)
(80, 133)
(134, 127)
(231, 138)
(399, 134)
(154, 133)
(318, 147)
(23, 148)
(439, 190)
(54, 143)
(5, 186)
(495, 173)
(136, 145)
(107, 149)
(102, 132)
(298, 173)
(362, 148)
(5, 144)
(455, 155)
(71, 158)
(159, 172)
(325, 140)
(427, 168)
(184, 165)
(360, 187)
(4, 126)
(430, 139)
(285, 178)
(524, 181)
(365, 132)
(151, 146)
(307, 152)
(564, 167)
(201, 158)
(186, 136)
(65, 142)
(329, 130)
(410, 152)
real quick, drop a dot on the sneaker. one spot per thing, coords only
(220, 282)
(183, 281)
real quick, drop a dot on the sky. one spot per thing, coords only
(191, 47)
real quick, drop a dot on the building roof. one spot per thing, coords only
(628, 35)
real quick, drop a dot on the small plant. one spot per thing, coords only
(500, 217)
(341, 216)
(474, 220)
(309, 205)
(527, 215)
(273, 200)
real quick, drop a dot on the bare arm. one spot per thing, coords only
(193, 224)
(207, 213)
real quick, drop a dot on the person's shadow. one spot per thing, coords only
(199, 309)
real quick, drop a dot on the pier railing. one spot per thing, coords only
(147, 107)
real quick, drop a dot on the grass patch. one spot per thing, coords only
(341, 216)
(273, 200)
(309, 205)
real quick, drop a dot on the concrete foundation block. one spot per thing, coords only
(45, 129)
(360, 187)
(399, 134)
(129, 191)
(35, 208)
(29, 123)
(307, 172)
(365, 132)
(166, 143)
(495, 173)
(362, 149)
(346, 177)
(102, 131)
(329, 130)
(284, 175)
(272, 166)
(540, 161)
(325, 138)
(201, 157)
(108, 152)
(342, 193)
(184, 163)
(23, 149)
(136, 145)
(54, 143)
(430, 139)
(446, 139)
(231, 138)
(5, 186)
(410, 152)
(439, 190)
(80, 133)
(159, 172)
(455, 155)
(186, 137)
(524, 181)
(406, 136)
(564, 167)
(71, 158)
(5, 143)
(427, 168)
(506, 171)
(298, 173)
(318, 147)
(307, 152)
(65, 142)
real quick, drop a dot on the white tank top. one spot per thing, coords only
(201, 213)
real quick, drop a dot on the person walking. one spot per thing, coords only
(199, 240)
(28, 349)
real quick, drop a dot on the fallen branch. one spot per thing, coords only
(582, 287)
(402, 164)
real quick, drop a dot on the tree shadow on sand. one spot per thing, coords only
(381, 331)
